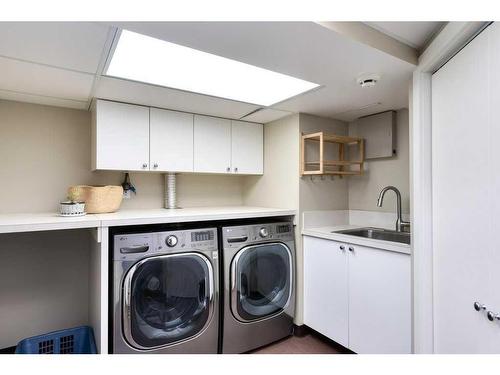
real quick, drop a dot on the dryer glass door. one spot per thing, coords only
(167, 299)
(261, 281)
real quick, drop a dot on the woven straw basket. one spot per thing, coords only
(98, 199)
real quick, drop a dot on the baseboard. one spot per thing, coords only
(301, 330)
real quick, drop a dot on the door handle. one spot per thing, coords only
(479, 306)
(134, 249)
(237, 239)
(492, 316)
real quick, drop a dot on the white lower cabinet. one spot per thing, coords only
(358, 296)
(379, 301)
(326, 289)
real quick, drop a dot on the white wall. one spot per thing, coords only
(46, 149)
(278, 186)
(44, 283)
(364, 190)
(327, 193)
(281, 185)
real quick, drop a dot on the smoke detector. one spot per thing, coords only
(368, 80)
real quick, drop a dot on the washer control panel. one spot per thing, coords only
(195, 239)
(171, 240)
(133, 246)
(141, 245)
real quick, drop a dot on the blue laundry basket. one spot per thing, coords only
(78, 340)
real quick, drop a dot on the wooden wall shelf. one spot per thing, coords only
(338, 167)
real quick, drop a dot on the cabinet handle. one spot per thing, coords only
(492, 316)
(144, 165)
(342, 247)
(351, 249)
(236, 170)
(155, 165)
(479, 306)
(228, 169)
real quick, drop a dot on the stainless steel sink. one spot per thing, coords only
(378, 234)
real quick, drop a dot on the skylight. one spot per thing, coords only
(142, 58)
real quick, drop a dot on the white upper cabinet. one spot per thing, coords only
(171, 141)
(120, 136)
(129, 137)
(247, 147)
(212, 145)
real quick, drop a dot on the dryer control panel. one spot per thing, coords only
(240, 235)
(195, 239)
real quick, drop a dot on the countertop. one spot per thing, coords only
(12, 223)
(326, 233)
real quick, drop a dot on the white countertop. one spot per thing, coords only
(11, 223)
(326, 233)
(161, 215)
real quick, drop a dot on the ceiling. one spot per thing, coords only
(60, 64)
(414, 34)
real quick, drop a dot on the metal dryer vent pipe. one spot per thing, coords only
(170, 191)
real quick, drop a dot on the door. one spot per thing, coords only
(171, 141)
(247, 147)
(121, 136)
(493, 302)
(167, 299)
(465, 204)
(326, 288)
(212, 145)
(379, 301)
(261, 281)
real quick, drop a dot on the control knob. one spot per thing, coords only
(263, 232)
(171, 241)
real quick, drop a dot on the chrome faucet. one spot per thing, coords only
(401, 226)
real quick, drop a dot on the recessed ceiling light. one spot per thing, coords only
(145, 59)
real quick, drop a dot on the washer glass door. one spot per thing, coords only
(167, 299)
(261, 281)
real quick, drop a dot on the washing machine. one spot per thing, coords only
(165, 296)
(259, 285)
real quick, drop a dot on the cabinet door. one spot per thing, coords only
(212, 145)
(247, 147)
(326, 288)
(120, 136)
(171, 141)
(379, 301)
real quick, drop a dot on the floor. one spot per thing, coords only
(311, 343)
